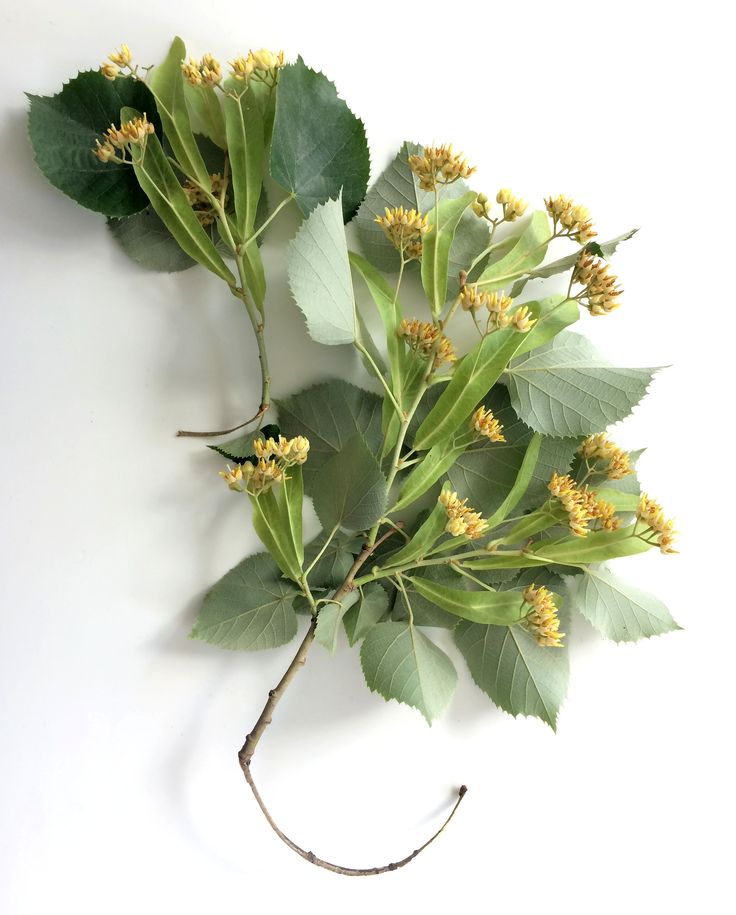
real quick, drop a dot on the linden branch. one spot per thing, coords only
(247, 751)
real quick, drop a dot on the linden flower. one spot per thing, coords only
(132, 132)
(461, 520)
(471, 298)
(582, 506)
(438, 165)
(200, 202)
(542, 620)
(116, 61)
(405, 229)
(109, 70)
(482, 206)
(513, 207)
(601, 294)
(485, 423)
(597, 448)
(573, 218)
(522, 321)
(204, 72)
(652, 515)
(498, 306)
(289, 450)
(422, 337)
(261, 61)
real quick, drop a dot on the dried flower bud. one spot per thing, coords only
(542, 620)
(422, 337)
(438, 165)
(484, 423)
(461, 520)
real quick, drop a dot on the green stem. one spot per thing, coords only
(377, 372)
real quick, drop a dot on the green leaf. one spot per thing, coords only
(473, 377)
(567, 388)
(521, 677)
(147, 241)
(330, 414)
(350, 489)
(241, 448)
(328, 621)
(334, 564)
(497, 607)
(371, 608)
(319, 276)
(524, 256)
(555, 314)
(425, 612)
(63, 129)
(277, 519)
(618, 610)
(521, 483)
(167, 85)
(437, 461)
(424, 538)
(436, 248)
(246, 151)
(397, 187)
(249, 608)
(401, 663)
(319, 146)
(205, 112)
(162, 187)
(598, 546)
(604, 249)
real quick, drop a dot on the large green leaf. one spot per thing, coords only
(63, 129)
(157, 178)
(397, 186)
(147, 241)
(618, 610)
(167, 85)
(601, 249)
(567, 388)
(249, 608)
(524, 256)
(371, 608)
(473, 377)
(330, 414)
(319, 146)
(436, 248)
(319, 275)
(246, 151)
(401, 663)
(520, 676)
(350, 489)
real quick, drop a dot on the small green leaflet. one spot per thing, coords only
(401, 663)
(319, 146)
(249, 608)
(319, 275)
(328, 621)
(241, 448)
(499, 608)
(63, 129)
(335, 562)
(527, 252)
(363, 616)
(246, 152)
(436, 248)
(566, 388)
(350, 490)
(618, 610)
(426, 612)
(330, 414)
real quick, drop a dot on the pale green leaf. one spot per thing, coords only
(528, 251)
(249, 608)
(425, 612)
(147, 241)
(330, 414)
(497, 607)
(328, 621)
(205, 112)
(371, 608)
(319, 275)
(319, 146)
(246, 152)
(401, 663)
(436, 248)
(618, 610)
(567, 388)
(350, 490)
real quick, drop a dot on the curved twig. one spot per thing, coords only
(248, 749)
(262, 410)
(338, 868)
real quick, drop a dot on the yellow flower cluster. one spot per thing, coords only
(481, 206)
(471, 298)
(405, 229)
(134, 131)
(256, 62)
(461, 520)
(204, 72)
(199, 200)
(582, 506)
(422, 336)
(601, 294)
(597, 448)
(274, 457)
(439, 165)
(542, 620)
(498, 306)
(575, 219)
(652, 514)
(485, 423)
(117, 61)
(513, 207)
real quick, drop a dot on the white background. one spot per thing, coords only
(120, 787)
